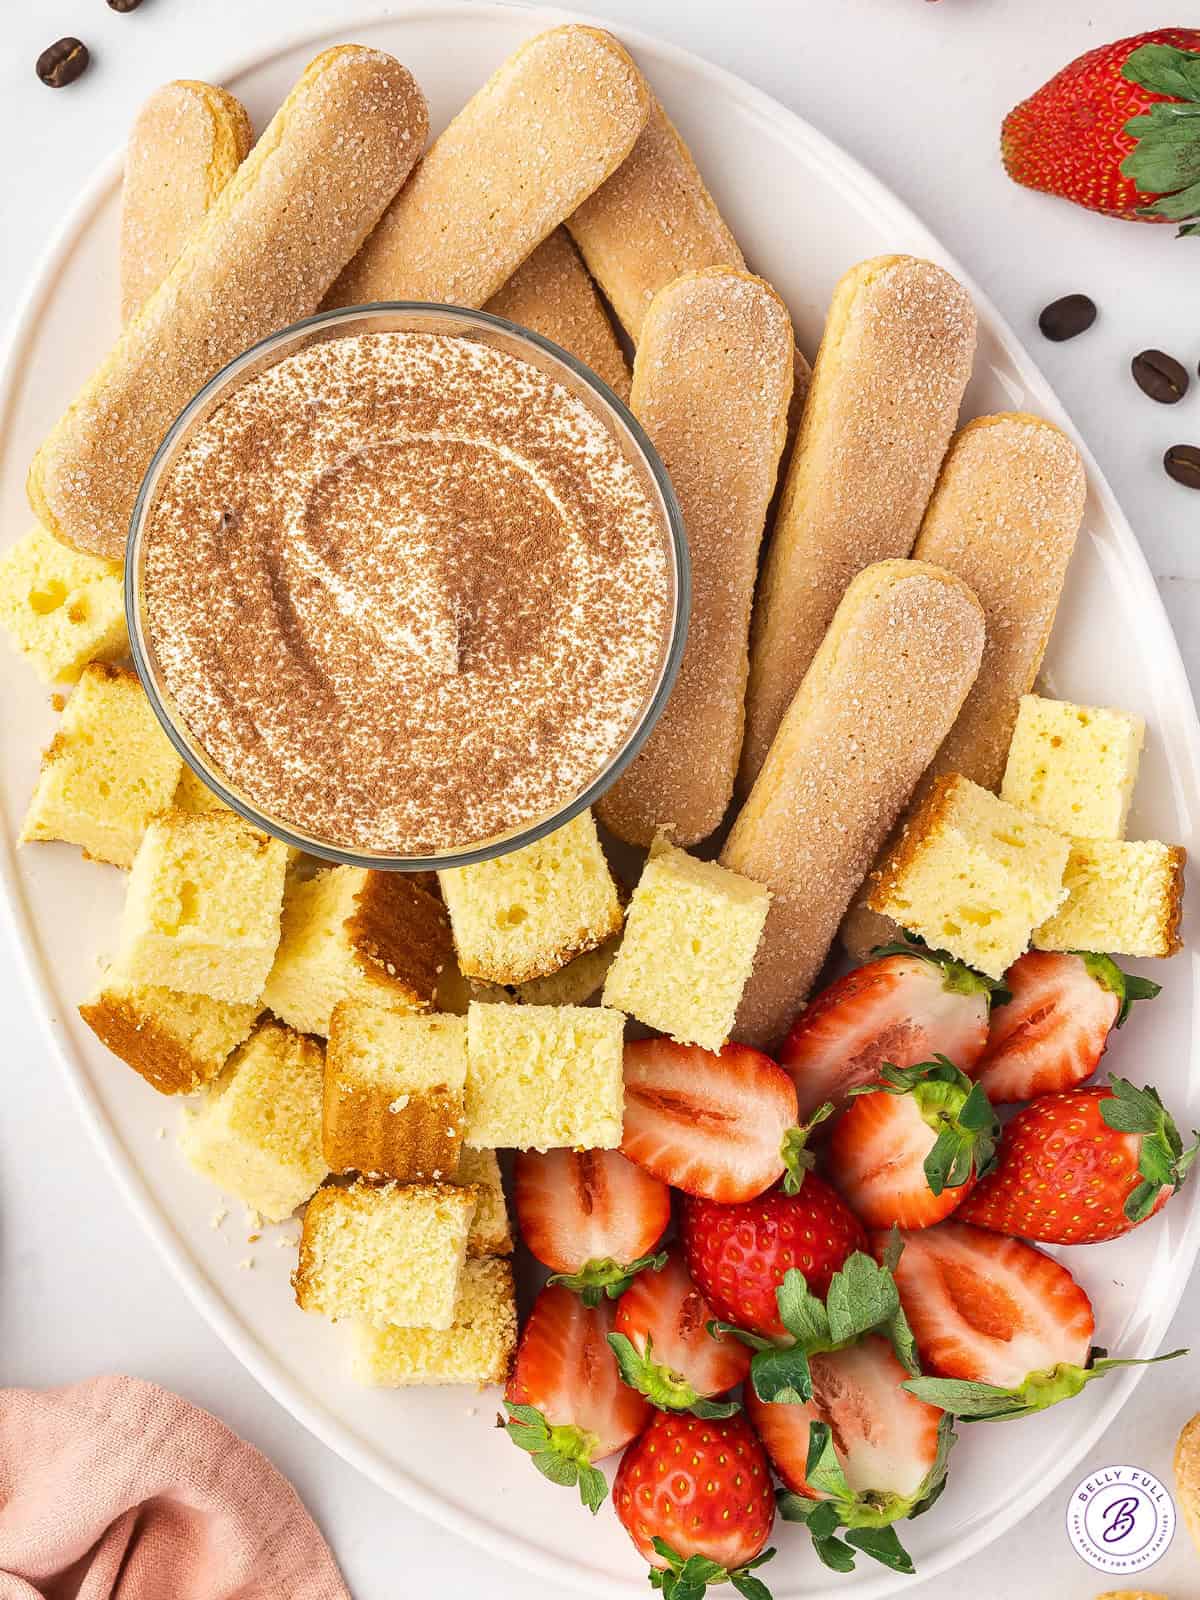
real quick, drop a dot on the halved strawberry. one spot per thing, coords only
(566, 1401)
(591, 1216)
(907, 1149)
(905, 1007)
(1051, 1034)
(1003, 1328)
(877, 1453)
(711, 1124)
(664, 1349)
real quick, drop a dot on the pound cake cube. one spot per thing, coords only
(690, 937)
(1073, 767)
(1124, 898)
(202, 912)
(109, 768)
(544, 1077)
(572, 985)
(177, 1042)
(193, 794)
(354, 934)
(394, 1093)
(60, 607)
(476, 1348)
(390, 1255)
(491, 1231)
(972, 875)
(257, 1134)
(528, 913)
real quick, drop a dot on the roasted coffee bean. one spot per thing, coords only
(62, 62)
(123, 5)
(1182, 462)
(1160, 376)
(1063, 319)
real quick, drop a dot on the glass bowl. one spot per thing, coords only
(480, 326)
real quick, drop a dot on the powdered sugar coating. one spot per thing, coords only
(407, 592)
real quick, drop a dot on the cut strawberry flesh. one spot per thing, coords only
(576, 1206)
(669, 1309)
(899, 1009)
(1053, 1031)
(877, 1152)
(708, 1123)
(988, 1308)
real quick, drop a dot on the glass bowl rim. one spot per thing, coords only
(518, 837)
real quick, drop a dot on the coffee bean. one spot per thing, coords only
(1160, 376)
(1182, 462)
(62, 62)
(123, 5)
(1063, 319)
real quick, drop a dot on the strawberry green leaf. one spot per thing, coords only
(1163, 69)
(662, 1386)
(862, 1296)
(1190, 231)
(958, 1111)
(957, 977)
(882, 1545)
(606, 1277)
(1162, 1160)
(1175, 207)
(823, 1470)
(987, 1402)
(1110, 976)
(800, 1311)
(730, 1330)
(748, 1586)
(688, 1580)
(562, 1452)
(781, 1375)
(1165, 158)
(794, 1152)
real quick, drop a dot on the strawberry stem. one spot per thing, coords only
(561, 1452)
(1037, 1391)
(663, 1386)
(797, 1158)
(605, 1277)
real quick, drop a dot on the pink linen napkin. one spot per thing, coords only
(116, 1489)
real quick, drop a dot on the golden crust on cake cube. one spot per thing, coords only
(477, 1348)
(1124, 898)
(390, 1255)
(491, 1230)
(972, 875)
(573, 985)
(202, 911)
(193, 794)
(526, 914)
(690, 936)
(1074, 767)
(350, 933)
(108, 770)
(544, 1077)
(257, 1132)
(394, 1093)
(177, 1042)
(60, 607)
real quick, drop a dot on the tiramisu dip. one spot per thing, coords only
(407, 592)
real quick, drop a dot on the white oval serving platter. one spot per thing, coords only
(804, 212)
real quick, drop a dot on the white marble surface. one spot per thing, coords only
(917, 92)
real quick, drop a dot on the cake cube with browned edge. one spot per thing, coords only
(690, 937)
(972, 875)
(526, 914)
(177, 1042)
(202, 912)
(476, 1348)
(394, 1093)
(1073, 767)
(573, 985)
(491, 1230)
(390, 1255)
(544, 1077)
(351, 933)
(257, 1134)
(193, 794)
(1124, 898)
(108, 770)
(61, 608)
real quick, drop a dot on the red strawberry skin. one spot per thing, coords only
(1062, 1175)
(667, 1307)
(702, 1486)
(899, 1009)
(877, 1152)
(576, 1206)
(1069, 137)
(1051, 1034)
(885, 1439)
(738, 1255)
(709, 1123)
(986, 1308)
(565, 1368)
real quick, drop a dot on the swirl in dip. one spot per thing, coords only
(406, 592)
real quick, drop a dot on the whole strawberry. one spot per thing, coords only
(1082, 1166)
(1111, 131)
(695, 1497)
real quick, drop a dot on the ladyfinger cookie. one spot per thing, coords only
(885, 392)
(1003, 517)
(552, 293)
(557, 118)
(711, 382)
(186, 143)
(263, 256)
(878, 698)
